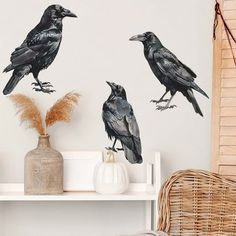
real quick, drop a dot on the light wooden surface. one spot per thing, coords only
(224, 96)
(216, 95)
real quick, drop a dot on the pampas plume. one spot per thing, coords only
(62, 109)
(29, 112)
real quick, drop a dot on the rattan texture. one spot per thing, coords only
(195, 202)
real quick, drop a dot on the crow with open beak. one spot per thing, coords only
(38, 50)
(120, 124)
(170, 71)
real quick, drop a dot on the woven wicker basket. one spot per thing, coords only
(194, 202)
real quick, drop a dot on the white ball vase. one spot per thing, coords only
(111, 177)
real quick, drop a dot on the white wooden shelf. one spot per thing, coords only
(136, 192)
(147, 192)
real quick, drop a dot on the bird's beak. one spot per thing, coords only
(139, 37)
(68, 13)
(110, 84)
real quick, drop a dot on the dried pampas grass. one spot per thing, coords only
(62, 109)
(29, 112)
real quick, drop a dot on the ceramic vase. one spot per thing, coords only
(43, 169)
(111, 177)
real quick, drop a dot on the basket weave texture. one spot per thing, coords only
(195, 202)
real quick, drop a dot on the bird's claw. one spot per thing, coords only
(172, 106)
(49, 91)
(44, 84)
(111, 149)
(162, 108)
(159, 101)
(43, 87)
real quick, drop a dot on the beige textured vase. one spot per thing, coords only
(43, 169)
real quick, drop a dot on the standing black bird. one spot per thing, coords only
(120, 123)
(38, 50)
(170, 71)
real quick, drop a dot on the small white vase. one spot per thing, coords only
(111, 177)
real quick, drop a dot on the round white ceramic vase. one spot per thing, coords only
(111, 177)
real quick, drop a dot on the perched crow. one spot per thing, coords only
(120, 123)
(170, 71)
(38, 50)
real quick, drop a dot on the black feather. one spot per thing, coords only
(193, 100)
(17, 75)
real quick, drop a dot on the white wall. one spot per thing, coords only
(71, 218)
(1, 218)
(95, 48)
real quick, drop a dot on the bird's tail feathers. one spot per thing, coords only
(197, 88)
(8, 68)
(15, 78)
(193, 100)
(132, 157)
